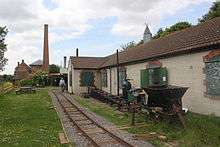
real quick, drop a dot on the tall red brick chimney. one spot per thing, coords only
(46, 49)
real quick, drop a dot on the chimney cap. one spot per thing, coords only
(22, 60)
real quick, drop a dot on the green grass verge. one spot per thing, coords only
(201, 130)
(28, 120)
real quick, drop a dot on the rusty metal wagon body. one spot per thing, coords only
(166, 101)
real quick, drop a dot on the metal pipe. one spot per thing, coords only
(117, 73)
(110, 80)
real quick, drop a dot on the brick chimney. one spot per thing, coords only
(77, 52)
(46, 49)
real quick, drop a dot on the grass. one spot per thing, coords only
(201, 130)
(28, 120)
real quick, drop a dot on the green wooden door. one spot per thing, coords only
(163, 76)
(144, 78)
(87, 78)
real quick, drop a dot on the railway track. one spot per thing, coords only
(96, 134)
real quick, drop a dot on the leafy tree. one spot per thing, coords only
(140, 42)
(128, 45)
(54, 68)
(3, 47)
(214, 11)
(176, 27)
(8, 78)
(40, 78)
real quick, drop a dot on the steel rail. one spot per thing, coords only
(110, 133)
(73, 121)
(118, 139)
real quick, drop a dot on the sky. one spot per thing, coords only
(96, 27)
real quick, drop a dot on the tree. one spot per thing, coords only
(176, 27)
(8, 78)
(40, 78)
(54, 68)
(128, 45)
(214, 11)
(3, 47)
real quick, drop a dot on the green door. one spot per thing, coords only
(144, 78)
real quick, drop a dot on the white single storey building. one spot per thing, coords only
(191, 57)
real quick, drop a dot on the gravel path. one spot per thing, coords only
(79, 140)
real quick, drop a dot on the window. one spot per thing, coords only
(122, 76)
(104, 77)
(212, 71)
(86, 78)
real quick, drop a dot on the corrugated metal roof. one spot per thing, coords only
(38, 62)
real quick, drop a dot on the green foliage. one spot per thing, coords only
(128, 45)
(3, 47)
(8, 78)
(176, 27)
(26, 82)
(29, 120)
(40, 78)
(54, 68)
(214, 11)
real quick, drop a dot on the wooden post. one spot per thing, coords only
(133, 114)
(117, 73)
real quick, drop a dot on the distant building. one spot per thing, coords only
(36, 66)
(147, 35)
(24, 71)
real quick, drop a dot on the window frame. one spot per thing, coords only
(104, 78)
(122, 76)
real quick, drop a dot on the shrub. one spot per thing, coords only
(26, 82)
(40, 78)
(6, 87)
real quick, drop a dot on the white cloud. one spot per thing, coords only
(70, 19)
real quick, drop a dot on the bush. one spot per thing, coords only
(40, 78)
(26, 82)
(6, 87)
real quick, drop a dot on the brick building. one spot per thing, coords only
(25, 71)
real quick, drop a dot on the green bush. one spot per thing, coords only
(26, 82)
(40, 78)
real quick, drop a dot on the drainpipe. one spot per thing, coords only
(117, 73)
(110, 80)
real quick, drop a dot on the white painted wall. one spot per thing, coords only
(77, 89)
(69, 70)
(185, 70)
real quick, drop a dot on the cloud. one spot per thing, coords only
(70, 18)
